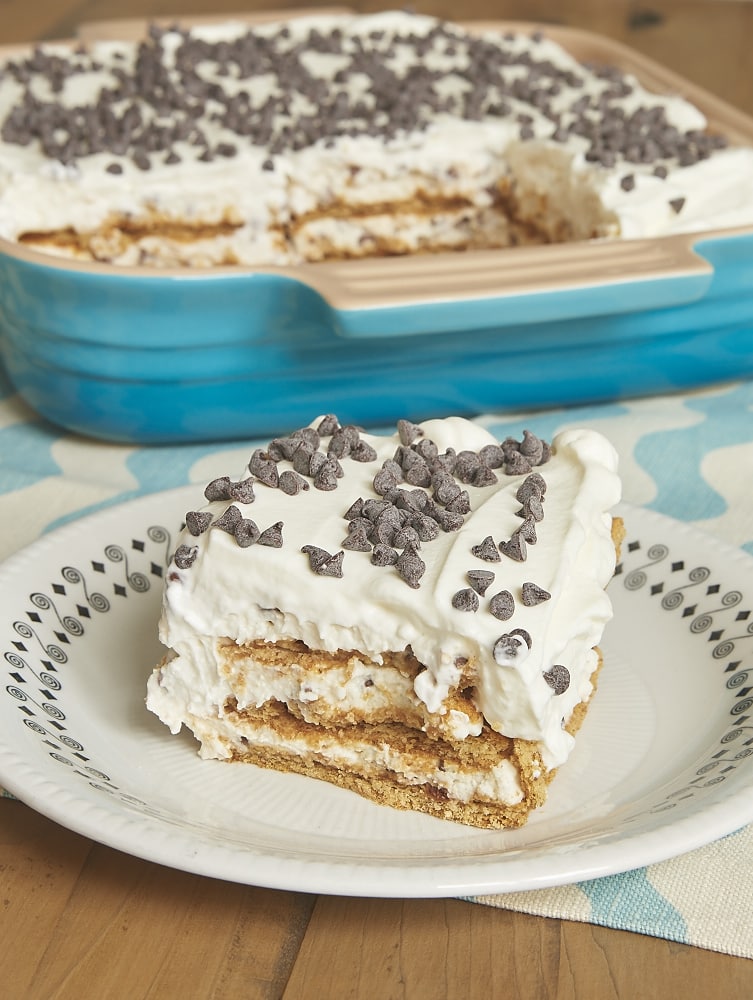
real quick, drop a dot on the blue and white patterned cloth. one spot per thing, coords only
(703, 441)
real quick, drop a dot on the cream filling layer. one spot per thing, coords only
(267, 594)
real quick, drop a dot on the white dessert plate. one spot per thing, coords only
(663, 763)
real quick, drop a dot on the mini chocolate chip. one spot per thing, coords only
(405, 536)
(363, 452)
(383, 555)
(531, 594)
(327, 425)
(242, 492)
(309, 436)
(218, 489)
(246, 532)
(355, 510)
(272, 536)
(185, 556)
(509, 649)
(527, 530)
(487, 550)
(677, 204)
(515, 548)
(326, 477)
(386, 480)
(292, 483)
(480, 580)
(525, 636)
(517, 465)
(484, 477)
(264, 468)
(322, 562)
(532, 448)
(197, 521)
(558, 678)
(465, 600)
(408, 432)
(502, 605)
(426, 527)
(228, 520)
(357, 541)
(492, 456)
(411, 567)
(460, 504)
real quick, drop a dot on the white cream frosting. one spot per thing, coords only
(270, 594)
(457, 157)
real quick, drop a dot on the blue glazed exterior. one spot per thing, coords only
(200, 357)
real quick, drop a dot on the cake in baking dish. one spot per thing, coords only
(414, 616)
(344, 136)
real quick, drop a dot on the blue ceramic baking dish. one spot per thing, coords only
(156, 357)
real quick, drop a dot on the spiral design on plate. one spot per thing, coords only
(16, 693)
(69, 742)
(723, 649)
(53, 651)
(72, 625)
(699, 574)
(50, 682)
(711, 766)
(741, 706)
(16, 661)
(158, 534)
(672, 600)
(69, 623)
(34, 726)
(95, 600)
(737, 679)
(115, 554)
(97, 774)
(741, 754)
(139, 582)
(635, 580)
(732, 598)
(701, 622)
(657, 552)
(61, 759)
(53, 711)
(731, 736)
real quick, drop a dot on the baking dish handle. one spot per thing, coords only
(439, 293)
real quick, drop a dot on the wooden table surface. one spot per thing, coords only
(78, 920)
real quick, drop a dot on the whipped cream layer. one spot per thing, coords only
(495, 570)
(260, 134)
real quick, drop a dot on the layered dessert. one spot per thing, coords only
(414, 617)
(337, 137)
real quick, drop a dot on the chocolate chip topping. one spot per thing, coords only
(502, 605)
(197, 522)
(185, 556)
(272, 536)
(180, 87)
(322, 562)
(558, 678)
(487, 550)
(531, 594)
(480, 580)
(465, 600)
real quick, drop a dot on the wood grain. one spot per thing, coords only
(81, 921)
